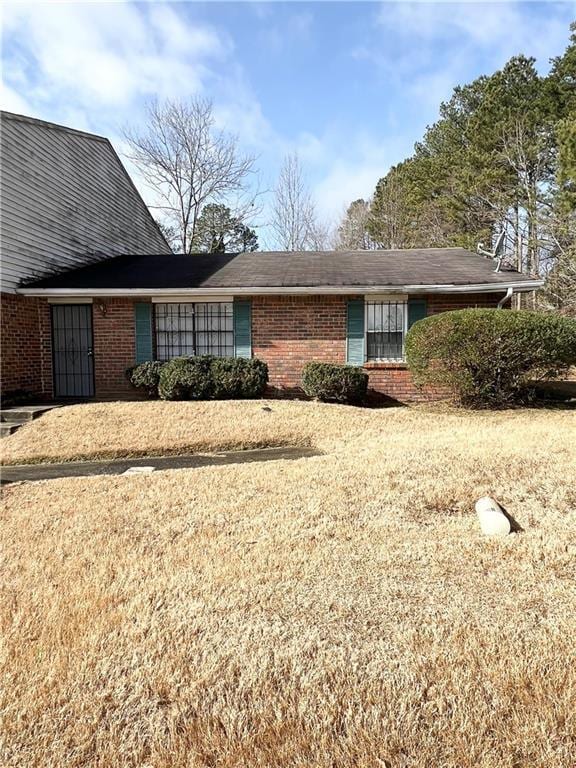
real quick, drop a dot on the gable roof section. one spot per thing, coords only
(285, 272)
(67, 200)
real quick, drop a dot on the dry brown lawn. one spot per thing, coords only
(330, 612)
(110, 430)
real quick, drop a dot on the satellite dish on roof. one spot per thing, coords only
(496, 253)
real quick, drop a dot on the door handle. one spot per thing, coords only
(90, 353)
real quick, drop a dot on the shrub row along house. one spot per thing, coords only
(90, 286)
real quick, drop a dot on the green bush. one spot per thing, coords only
(205, 377)
(489, 357)
(186, 378)
(334, 383)
(146, 376)
(238, 377)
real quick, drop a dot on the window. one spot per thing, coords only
(385, 329)
(194, 329)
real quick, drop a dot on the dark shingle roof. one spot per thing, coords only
(67, 200)
(284, 270)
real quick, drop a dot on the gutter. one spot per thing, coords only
(506, 298)
(526, 285)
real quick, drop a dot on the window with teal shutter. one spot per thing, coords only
(417, 310)
(385, 329)
(143, 331)
(243, 328)
(355, 332)
(186, 329)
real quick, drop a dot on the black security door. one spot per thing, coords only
(73, 361)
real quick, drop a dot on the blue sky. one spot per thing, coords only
(349, 85)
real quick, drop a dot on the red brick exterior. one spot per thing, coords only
(20, 344)
(444, 302)
(114, 347)
(287, 332)
(26, 351)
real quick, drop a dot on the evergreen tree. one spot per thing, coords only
(561, 87)
(502, 155)
(218, 231)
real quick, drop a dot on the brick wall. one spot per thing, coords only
(26, 346)
(20, 344)
(45, 339)
(289, 331)
(444, 302)
(114, 347)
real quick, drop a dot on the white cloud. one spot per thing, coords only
(106, 55)
(92, 65)
(474, 30)
(351, 167)
(238, 110)
(14, 102)
(422, 50)
(344, 183)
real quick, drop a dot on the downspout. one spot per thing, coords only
(506, 298)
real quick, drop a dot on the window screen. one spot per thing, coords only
(194, 329)
(385, 324)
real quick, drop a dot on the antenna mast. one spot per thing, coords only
(496, 253)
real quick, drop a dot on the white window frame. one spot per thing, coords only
(386, 299)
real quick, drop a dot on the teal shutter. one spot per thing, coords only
(355, 332)
(417, 310)
(243, 329)
(143, 331)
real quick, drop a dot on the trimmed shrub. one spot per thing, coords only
(490, 357)
(334, 383)
(205, 377)
(146, 376)
(186, 378)
(238, 377)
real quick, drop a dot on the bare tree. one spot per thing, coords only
(530, 160)
(560, 289)
(188, 163)
(538, 236)
(321, 236)
(294, 219)
(559, 268)
(353, 229)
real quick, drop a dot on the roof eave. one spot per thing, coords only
(524, 285)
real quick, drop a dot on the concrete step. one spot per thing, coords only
(8, 427)
(12, 418)
(24, 412)
(9, 415)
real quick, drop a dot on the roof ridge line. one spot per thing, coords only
(53, 126)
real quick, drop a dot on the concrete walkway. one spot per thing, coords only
(30, 472)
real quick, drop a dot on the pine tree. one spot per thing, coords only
(218, 231)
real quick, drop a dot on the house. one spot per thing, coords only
(90, 286)
(284, 308)
(66, 201)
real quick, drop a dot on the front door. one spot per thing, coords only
(73, 361)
